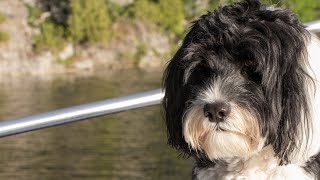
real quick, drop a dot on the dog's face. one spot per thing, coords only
(223, 108)
(238, 83)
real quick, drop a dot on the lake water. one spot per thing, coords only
(128, 145)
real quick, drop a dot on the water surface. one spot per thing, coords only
(128, 145)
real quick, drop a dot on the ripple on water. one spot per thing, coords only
(128, 145)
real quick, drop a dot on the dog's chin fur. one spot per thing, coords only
(237, 136)
(265, 66)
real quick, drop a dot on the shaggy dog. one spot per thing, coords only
(242, 95)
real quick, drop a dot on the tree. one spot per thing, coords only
(167, 13)
(89, 21)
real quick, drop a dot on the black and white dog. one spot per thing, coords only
(242, 95)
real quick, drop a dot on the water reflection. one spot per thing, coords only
(129, 145)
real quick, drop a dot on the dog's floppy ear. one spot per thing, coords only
(175, 95)
(285, 83)
(173, 101)
(276, 41)
(290, 100)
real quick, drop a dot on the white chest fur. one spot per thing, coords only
(262, 166)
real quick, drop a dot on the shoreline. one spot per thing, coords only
(135, 45)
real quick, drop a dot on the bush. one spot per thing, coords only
(2, 18)
(59, 10)
(166, 13)
(51, 37)
(89, 21)
(141, 51)
(172, 14)
(34, 14)
(117, 11)
(4, 37)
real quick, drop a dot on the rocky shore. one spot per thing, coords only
(135, 45)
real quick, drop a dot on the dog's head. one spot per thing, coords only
(238, 83)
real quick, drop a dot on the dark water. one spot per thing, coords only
(128, 145)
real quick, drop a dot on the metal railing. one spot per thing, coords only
(313, 26)
(96, 109)
(81, 112)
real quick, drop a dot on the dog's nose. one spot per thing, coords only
(216, 112)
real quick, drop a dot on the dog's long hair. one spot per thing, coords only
(259, 56)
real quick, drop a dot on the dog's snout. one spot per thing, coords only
(216, 112)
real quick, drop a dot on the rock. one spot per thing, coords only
(135, 43)
(66, 53)
(18, 50)
(134, 36)
(84, 65)
(150, 61)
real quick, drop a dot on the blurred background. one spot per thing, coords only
(59, 53)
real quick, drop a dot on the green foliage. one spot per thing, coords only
(51, 37)
(167, 13)
(141, 51)
(117, 11)
(89, 21)
(307, 10)
(172, 14)
(194, 9)
(146, 9)
(58, 9)
(2, 18)
(68, 61)
(4, 36)
(34, 14)
(190, 9)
